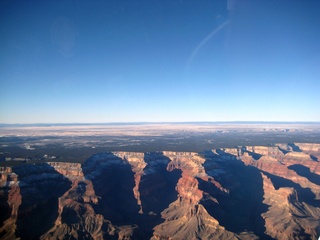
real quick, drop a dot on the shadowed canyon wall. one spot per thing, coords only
(250, 192)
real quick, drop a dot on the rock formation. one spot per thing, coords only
(186, 218)
(10, 203)
(287, 217)
(248, 192)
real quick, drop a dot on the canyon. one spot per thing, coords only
(247, 192)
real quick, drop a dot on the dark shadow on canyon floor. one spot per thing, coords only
(305, 172)
(158, 189)
(117, 203)
(304, 194)
(40, 186)
(114, 187)
(239, 210)
(4, 206)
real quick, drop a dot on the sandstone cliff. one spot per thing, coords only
(250, 192)
(286, 216)
(11, 201)
(186, 218)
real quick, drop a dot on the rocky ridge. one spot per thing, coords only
(251, 192)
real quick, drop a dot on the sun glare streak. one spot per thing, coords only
(202, 43)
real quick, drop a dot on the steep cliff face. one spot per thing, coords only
(130, 187)
(158, 186)
(280, 166)
(191, 166)
(291, 185)
(186, 218)
(273, 151)
(239, 189)
(136, 160)
(189, 222)
(251, 192)
(31, 189)
(310, 148)
(10, 199)
(72, 171)
(287, 218)
(82, 214)
(76, 215)
(109, 198)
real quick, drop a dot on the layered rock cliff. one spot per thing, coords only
(186, 218)
(10, 200)
(250, 192)
(287, 217)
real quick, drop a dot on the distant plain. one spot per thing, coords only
(77, 142)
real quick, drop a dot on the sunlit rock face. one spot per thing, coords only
(248, 192)
(287, 217)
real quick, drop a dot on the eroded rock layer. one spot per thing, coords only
(250, 192)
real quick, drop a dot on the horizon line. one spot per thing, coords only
(160, 122)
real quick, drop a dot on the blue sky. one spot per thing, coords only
(129, 61)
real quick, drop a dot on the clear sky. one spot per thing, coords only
(128, 61)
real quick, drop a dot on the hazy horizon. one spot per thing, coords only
(154, 61)
(155, 123)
